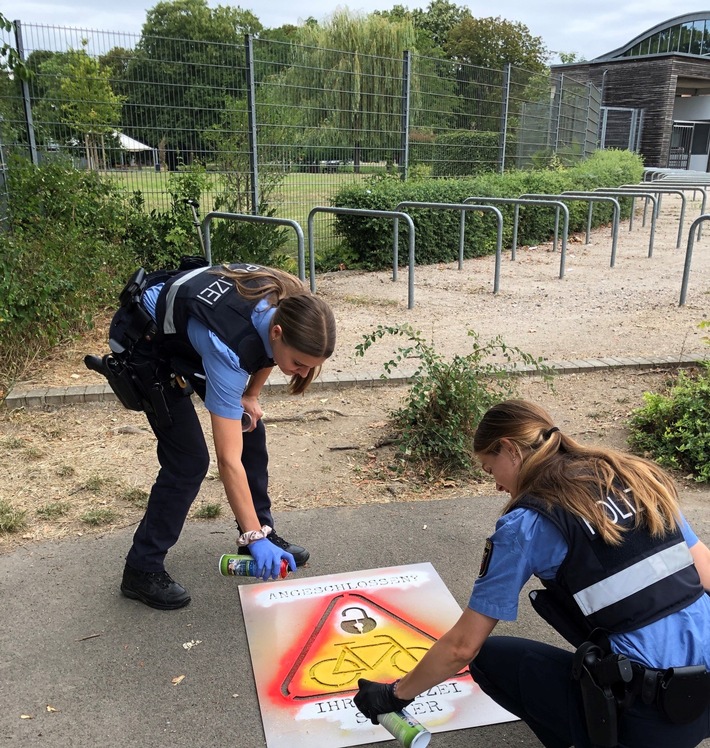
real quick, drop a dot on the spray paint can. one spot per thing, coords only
(241, 565)
(408, 731)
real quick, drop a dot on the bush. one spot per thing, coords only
(73, 241)
(63, 260)
(437, 231)
(672, 428)
(436, 424)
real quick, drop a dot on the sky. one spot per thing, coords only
(587, 28)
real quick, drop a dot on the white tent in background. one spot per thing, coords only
(129, 144)
(134, 147)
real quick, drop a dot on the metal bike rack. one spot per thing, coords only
(658, 174)
(686, 186)
(255, 219)
(660, 191)
(689, 256)
(464, 208)
(614, 192)
(591, 198)
(377, 214)
(517, 202)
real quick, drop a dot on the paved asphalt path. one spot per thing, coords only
(72, 642)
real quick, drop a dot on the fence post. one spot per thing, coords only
(639, 133)
(558, 110)
(504, 116)
(590, 134)
(251, 108)
(406, 104)
(26, 103)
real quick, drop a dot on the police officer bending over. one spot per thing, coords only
(624, 580)
(218, 332)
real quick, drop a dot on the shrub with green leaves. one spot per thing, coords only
(370, 239)
(73, 238)
(447, 399)
(672, 428)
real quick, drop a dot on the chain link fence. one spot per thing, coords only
(273, 125)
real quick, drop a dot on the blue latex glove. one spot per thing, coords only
(268, 559)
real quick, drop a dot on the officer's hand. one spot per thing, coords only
(252, 407)
(268, 559)
(377, 698)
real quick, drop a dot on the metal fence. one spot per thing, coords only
(275, 123)
(621, 127)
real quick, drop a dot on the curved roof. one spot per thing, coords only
(686, 34)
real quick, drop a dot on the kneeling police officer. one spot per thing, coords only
(625, 581)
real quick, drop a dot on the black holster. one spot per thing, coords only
(137, 386)
(602, 680)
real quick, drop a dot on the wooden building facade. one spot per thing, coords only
(663, 74)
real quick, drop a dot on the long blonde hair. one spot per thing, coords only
(560, 471)
(306, 321)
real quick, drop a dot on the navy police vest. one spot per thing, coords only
(614, 588)
(213, 299)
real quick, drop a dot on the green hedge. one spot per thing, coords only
(369, 239)
(70, 242)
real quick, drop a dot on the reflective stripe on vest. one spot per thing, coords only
(633, 579)
(169, 322)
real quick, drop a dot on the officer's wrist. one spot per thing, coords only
(395, 692)
(252, 535)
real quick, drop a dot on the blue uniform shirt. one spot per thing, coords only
(226, 380)
(526, 543)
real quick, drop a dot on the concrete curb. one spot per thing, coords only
(38, 397)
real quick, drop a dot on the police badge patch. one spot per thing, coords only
(486, 560)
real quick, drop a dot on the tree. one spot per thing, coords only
(439, 18)
(431, 25)
(567, 58)
(115, 62)
(482, 47)
(86, 107)
(346, 85)
(9, 56)
(495, 43)
(189, 56)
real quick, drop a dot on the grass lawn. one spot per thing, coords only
(294, 197)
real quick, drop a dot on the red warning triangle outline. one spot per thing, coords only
(335, 602)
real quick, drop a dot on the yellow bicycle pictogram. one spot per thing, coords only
(355, 637)
(362, 660)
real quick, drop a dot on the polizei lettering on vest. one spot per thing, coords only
(211, 294)
(615, 509)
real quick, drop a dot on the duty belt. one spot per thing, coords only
(682, 694)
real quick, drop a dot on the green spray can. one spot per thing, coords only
(409, 732)
(241, 565)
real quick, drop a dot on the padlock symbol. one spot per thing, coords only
(357, 624)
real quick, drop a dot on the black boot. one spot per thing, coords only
(154, 588)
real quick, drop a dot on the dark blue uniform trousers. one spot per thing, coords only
(534, 681)
(184, 460)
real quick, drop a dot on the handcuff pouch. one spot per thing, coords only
(684, 693)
